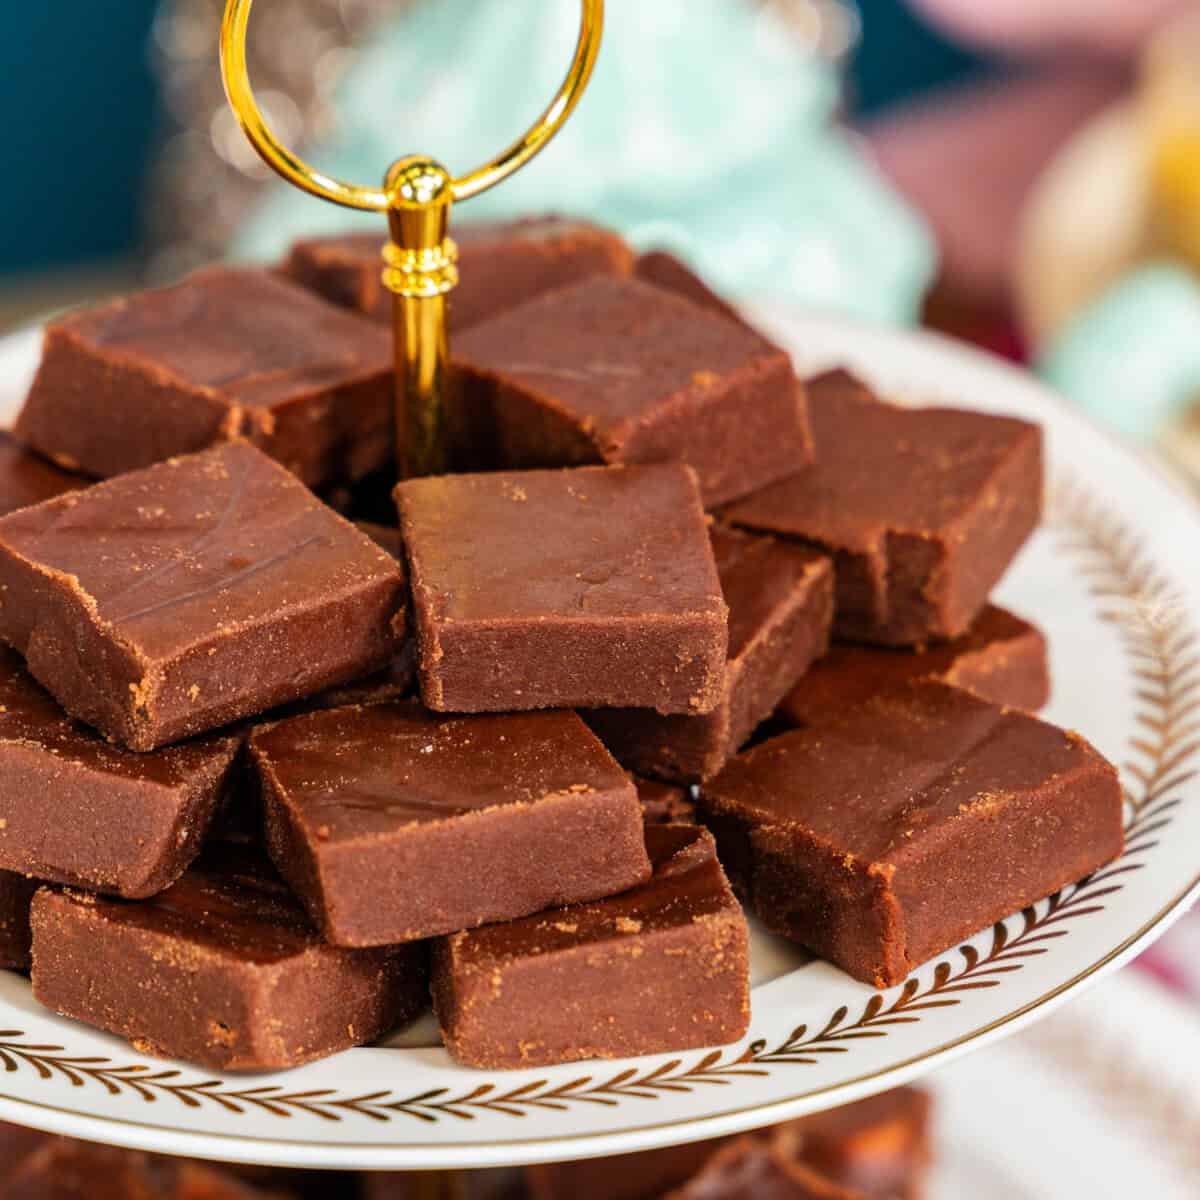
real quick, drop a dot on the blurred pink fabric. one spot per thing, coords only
(1175, 958)
(967, 159)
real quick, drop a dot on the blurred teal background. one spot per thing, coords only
(82, 117)
(80, 113)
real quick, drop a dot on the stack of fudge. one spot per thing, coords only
(876, 1149)
(290, 749)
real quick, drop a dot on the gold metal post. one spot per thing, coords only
(420, 276)
(417, 194)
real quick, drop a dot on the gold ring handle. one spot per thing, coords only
(420, 264)
(295, 170)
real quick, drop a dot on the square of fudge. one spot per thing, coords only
(45, 1167)
(223, 969)
(17, 1143)
(640, 1175)
(169, 601)
(889, 834)
(780, 599)
(923, 509)
(564, 589)
(614, 370)
(227, 352)
(392, 824)
(27, 478)
(75, 809)
(877, 1147)
(661, 967)
(501, 265)
(751, 1168)
(1001, 658)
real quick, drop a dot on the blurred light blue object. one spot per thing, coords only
(1132, 359)
(707, 129)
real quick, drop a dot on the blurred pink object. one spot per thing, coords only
(1106, 26)
(1175, 958)
(966, 160)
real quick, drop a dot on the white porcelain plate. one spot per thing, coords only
(1113, 580)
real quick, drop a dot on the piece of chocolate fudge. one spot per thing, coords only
(922, 509)
(223, 969)
(392, 824)
(664, 270)
(780, 599)
(750, 1168)
(664, 803)
(16, 895)
(493, 1183)
(501, 264)
(170, 601)
(878, 1146)
(1001, 658)
(891, 833)
(39, 1166)
(27, 479)
(613, 370)
(77, 810)
(664, 966)
(17, 1142)
(65, 1169)
(228, 352)
(646, 1175)
(563, 589)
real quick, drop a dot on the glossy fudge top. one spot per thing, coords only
(230, 901)
(882, 468)
(687, 887)
(589, 542)
(27, 479)
(877, 779)
(354, 772)
(30, 717)
(611, 348)
(245, 333)
(194, 548)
